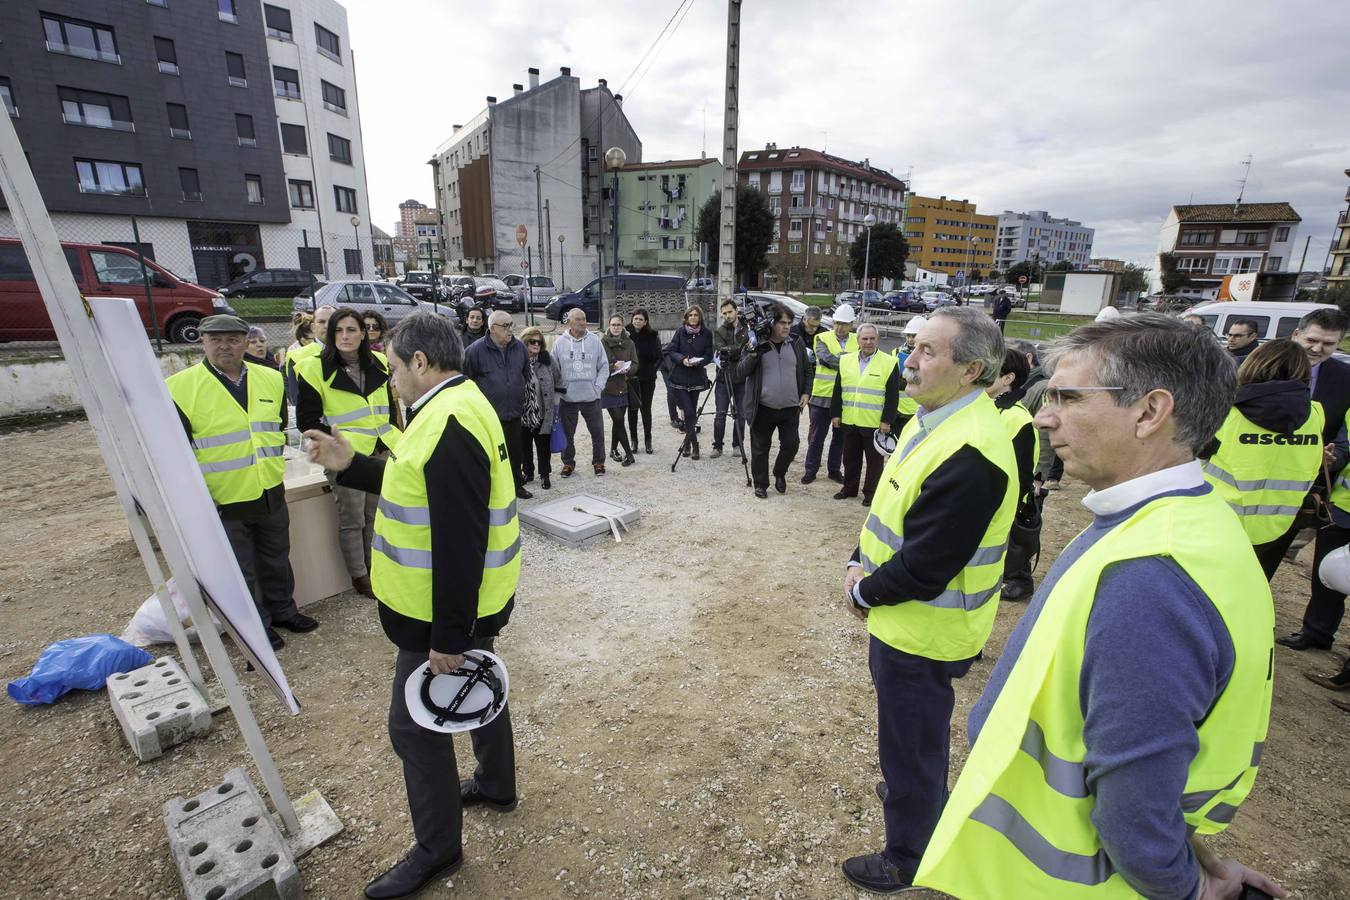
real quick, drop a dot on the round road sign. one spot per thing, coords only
(1021, 279)
(522, 235)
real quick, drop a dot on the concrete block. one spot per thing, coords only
(227, 846)
(158, 707)
(579, 520)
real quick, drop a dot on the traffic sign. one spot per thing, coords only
(1021, 279)
(524, 264)
(522, 235)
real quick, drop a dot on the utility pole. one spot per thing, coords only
(539, 211)
(726, 259)
(548, 239)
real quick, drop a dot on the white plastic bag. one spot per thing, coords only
(148, 626)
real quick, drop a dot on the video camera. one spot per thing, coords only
(759, 319)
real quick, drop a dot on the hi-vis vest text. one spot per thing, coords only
(1017, 417)
(956, 623)
(238, 451)
(1262, 475)
(1019, 823)
(823, 386)
(362, 420)
(864, 391)
(401, 552)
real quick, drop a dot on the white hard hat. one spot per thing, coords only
(1335, 570)
(883, 442)
(844, 313)
(914, 324)
(1107, 314)
(467, 698)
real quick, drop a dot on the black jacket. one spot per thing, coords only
(458, 485)
(1240, 355)
(729, 343)
(1002, 307)
(1280, 406)
(748, 369)
(309, 402)
(648, 344)
(682, 346)
(1333, 392)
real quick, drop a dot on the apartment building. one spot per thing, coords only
(659, 204)
(230, 130)
(1338, 272)
(1027, 236)
(427, 241)
(405, 234)
(950, 236)
(1215, 240)
(486, 186)
(1106, 264)
(819, 203)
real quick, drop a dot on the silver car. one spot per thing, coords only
(389, 300)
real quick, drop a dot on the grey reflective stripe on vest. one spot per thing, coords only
(220, 440)
(368, 432)
(876, 392)
(502, 516)
(380, 410)
(344, 418)
(1342, 482)
(1258, 484)
(884, 534)
(868, 566)
(408, 515)
(495, 559)
(954, 599)
(1000, 815)
(265, 426)
(404, 556)
(228, 465)
(858, 404)
(1264, 510)
(1257, 749)
(1195, 800)
(276, 450)
(1069, 778)
(1222, 813)
(385, 428)
(987, 555)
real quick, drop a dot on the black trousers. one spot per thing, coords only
(857, 447)
(1272, 553)
(429, 771)
(815, 442)
(514, 450)
(618, 434)
(263, 550)
(688, 403)
(767, 421)
(595, 424)
(1326, 607)
(640, 393)
(536, 444)
(723, 398)
(672, 404)
(914, 716)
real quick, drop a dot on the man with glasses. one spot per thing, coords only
(500, 365)
(1242, 334)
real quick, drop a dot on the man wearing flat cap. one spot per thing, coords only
(234, 413)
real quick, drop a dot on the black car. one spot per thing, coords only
(271, 283)
(421, 285)
(904, 301)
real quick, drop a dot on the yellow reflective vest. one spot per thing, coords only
(239, 451)
(1019, 823)
(1264, 475)
(864, 391)
(362, 420)
(956, 623)
(1017, 417)
(401, 563)
(823, 386)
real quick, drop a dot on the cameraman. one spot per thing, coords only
(778, 374)
(728, 340)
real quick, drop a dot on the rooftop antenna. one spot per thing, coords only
(825, 147)
(1242, 185)
(704, 154)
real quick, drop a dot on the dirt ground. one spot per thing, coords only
(693, 712)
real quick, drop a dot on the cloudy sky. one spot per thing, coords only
(1108, 113)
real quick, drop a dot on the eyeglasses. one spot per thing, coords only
(535, 342)
(371, 326)
(1067, 396)
(1240, 334)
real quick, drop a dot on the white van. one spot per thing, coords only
(1273, 320)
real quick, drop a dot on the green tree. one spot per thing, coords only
(1173, 279)
(1338, 293)
(888, 254)
(1134, 279)
(754, 231)
(1062, 266)
(1025, 267)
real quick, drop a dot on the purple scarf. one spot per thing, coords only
(692, 330)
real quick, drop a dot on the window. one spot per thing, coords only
(773, 248)
(754, 180)
(796, 201)
(278, 21)
(116, 268)
(353, 260)
(302, 194)
(99, 176)
(334, 98)
(794, 248)
(225, 11)
(168, 57)
(339, 149)
(234, 66)
(593, 153)
(95, 110)
(330, 44)
(243, 129)
(1273, 263)
(83, 39)
(191, 185)
(293, 139)
(795, 227)
(1236, 265)
(161, 3)
(178, 122)
(7, 95)
(345, 198)
(798, 180)
(1192, 264)
(286, 81)
(253, 188)
(311, 259)
(1281, 234)
(14, 264)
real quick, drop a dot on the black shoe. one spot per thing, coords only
(627, 461)
(648, 444)
(867, 501)
(614, 455)
(677, 424)
(1300, 641)
(1015, 591)
(299, 623)
(408, 876)
(470, 795)
(1338, 682)
(836, 476)
(761, 493)
(807, 479)
(694, 454)
(780, 484)
(716, 452)
(274, 639)
(528, 479)
(844, 495)
(522, 494)
(873, 873)
(546, 484)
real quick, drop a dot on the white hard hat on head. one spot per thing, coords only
(844, 313)
(1107, 314)
(914, 324)
(1334, 571)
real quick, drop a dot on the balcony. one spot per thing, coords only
(168, 68)
(227, 17)
(290, 92)
(97, 122)
(84, 52)
(775, 189)
(333, 107)
(181, 134)
(192, 196)
(248, 142)
(236, 81)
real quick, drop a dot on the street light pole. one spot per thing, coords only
(562, 265)
(614, 159)
(356, 234)
(868, 220)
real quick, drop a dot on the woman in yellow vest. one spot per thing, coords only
(1268, 453)
(1024, 539)
(346, 388)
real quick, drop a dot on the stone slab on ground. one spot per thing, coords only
(227, 846)
(157, 706)
(580, 520)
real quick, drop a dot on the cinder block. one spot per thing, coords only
(578, 520)
(227, 846)
(158, 707)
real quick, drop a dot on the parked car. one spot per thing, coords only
(542, 286)
(502, 297)
(1273, 319)
(390, 300)
(764, 298)
(588, 298)
(936, 300)
(701, 284)
(855, 298)
(422, 285)
(903, 301)
(106, 271)
(271, 283)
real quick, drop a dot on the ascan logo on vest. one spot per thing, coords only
(1293, 440)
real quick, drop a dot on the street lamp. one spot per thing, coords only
(614, 160)
(868, 221)
(356, 233)
(562, 265)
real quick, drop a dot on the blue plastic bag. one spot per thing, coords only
(84, 663)
(557, 442)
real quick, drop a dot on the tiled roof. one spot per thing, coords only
(1228, 212)
(669, 164)
(806, 158)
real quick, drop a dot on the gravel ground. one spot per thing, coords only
(693, 712)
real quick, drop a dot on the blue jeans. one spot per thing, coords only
(723, 399)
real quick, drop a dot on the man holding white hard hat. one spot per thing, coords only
(444, 565)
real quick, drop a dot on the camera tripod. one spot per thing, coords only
(733, 411)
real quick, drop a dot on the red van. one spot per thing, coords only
(101, 270)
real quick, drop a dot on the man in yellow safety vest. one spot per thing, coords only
(866, 400)
(828, 347)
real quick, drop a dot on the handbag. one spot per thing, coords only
(557, 442)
